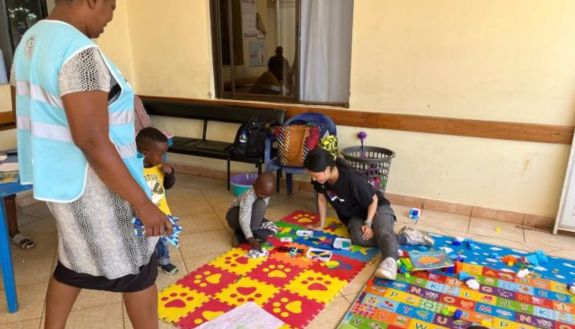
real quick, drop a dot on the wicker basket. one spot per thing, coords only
(370, 161)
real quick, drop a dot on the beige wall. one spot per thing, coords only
(505, 60)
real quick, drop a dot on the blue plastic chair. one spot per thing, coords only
(318, 119)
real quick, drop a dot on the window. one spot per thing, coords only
(16, 17)
(282, 50)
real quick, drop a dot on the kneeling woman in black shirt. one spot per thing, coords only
(364, 211)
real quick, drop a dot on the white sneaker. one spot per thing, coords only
(387, 269)
(415, 237)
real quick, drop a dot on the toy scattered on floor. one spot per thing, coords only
(498, 230)
(457, 241)
(319, 254)
(510, 260)
(457, 314)
(304, 233)
(414, 213)
(173, 239)
(469, 280)
(286, 239)
(404, 265)
(522, 273)
(571, 288)
(292, 251)
(342, 243)
(258, 254)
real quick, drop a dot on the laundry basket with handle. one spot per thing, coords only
(370, 161)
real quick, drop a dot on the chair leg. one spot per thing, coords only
(259, 166)
(289, 183)
(229, 173)
(278, 180)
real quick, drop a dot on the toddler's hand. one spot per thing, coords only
(167, 169)
(255, 244)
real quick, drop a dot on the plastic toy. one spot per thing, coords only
(406, 262)
(304, 233)
(173, 239)
(571, 288)
(522, 273)
(286, 239)
(414, 213)
(469, 280)
(457, 241)
(342, 243)
(319, 254)
(510, 260)
(258, 254)
(457, 314)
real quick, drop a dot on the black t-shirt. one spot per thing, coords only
(351, 194)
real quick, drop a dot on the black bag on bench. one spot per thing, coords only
(250, 139)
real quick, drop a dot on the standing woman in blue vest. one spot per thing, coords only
(76, 144)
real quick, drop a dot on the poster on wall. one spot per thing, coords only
(249, 19)
(257, 53)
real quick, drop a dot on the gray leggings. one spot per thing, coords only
(258, 212)
(384, 236)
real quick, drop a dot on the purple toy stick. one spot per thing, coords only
(362, 135)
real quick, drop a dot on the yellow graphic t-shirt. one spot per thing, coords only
(155, 179)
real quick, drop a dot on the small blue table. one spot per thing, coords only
(7, 189)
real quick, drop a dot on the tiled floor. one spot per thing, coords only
(202, 203)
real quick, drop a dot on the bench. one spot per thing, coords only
(204, 147)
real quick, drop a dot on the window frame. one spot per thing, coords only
(7, 118)
(217, 53)
(6, 36)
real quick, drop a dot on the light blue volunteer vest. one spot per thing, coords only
(47, 155)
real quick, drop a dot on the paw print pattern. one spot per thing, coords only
(177, 301)
(236, 261)
(206, 312)
(208, 279)
(304, 219)
(292, 309)
(247, 290)
(275, 273)
(317, 286)
(338, 266)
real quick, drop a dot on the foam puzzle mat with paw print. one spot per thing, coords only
(292, 288)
